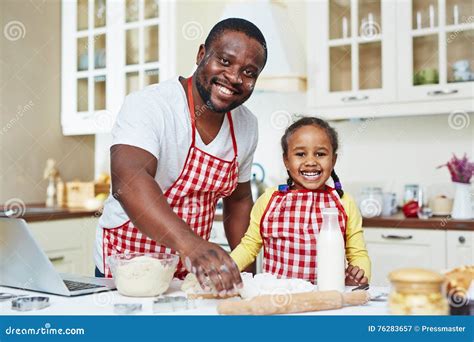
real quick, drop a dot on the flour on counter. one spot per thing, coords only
(261, 284)
(268, 284)
(143, 276)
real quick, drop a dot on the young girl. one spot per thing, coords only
(286, 219)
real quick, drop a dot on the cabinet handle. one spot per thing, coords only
(442, 92)
(462, 239)
(354, 98)
(397, 237)
(58, 258)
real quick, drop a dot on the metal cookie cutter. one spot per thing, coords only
(170, 304)
(127, 309)
(9, 296)
(30, 303)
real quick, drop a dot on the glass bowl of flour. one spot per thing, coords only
(143, 274)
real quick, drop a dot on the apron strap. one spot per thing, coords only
(191, 109)
(231, 126)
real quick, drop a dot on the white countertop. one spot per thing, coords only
(103, 304)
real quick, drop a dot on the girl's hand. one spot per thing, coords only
(355, 276)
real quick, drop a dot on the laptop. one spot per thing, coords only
(24, 265)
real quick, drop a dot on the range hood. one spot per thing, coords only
(285, 70)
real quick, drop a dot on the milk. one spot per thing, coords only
(331, 256)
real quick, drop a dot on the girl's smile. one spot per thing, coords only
(310, 158)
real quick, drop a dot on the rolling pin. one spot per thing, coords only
(293, 303)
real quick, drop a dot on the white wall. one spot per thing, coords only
(30, 104)
(387, 152)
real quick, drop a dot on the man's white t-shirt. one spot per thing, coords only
(157, 119)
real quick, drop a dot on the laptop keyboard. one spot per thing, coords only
(76, 285)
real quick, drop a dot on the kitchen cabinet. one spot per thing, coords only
(437, 43)
(109, 49)
(351, 51)
(373, 58)
(392, 248)
(68, 243)
(460, 248)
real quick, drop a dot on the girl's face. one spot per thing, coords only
(310, 158)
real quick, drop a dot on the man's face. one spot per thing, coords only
(228, 70)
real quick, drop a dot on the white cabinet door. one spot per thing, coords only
(68, 261)
(436, 57)
(351, 53)
(110, 48)
(390, 249)
(390, 58)
(460, 248)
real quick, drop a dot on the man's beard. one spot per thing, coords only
(206, 95)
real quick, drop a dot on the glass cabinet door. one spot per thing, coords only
(141, 44)
(459, 38)
(355, 41)
(91, 60)
(442, 54)
(110, 48)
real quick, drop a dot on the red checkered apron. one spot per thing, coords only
(289, 228)
(193, 197)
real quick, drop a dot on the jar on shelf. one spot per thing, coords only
(417, 291)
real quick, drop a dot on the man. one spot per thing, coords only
(178, 147)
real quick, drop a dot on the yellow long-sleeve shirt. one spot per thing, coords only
(356, 253)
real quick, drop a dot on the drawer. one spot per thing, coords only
(402, 236)
(390, 249)
(460, 249)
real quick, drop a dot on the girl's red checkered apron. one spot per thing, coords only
(193, 197)
(289, 228)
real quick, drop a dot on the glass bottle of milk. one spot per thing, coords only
(331, 256)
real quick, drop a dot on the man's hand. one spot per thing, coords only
(213, 267)
(355, 276)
